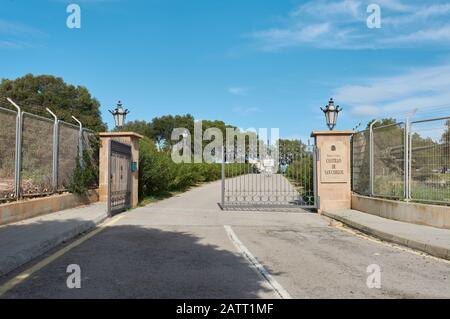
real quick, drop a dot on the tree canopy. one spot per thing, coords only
(35, 93)
(162, 127)
(382, 122)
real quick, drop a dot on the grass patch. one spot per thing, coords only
(150, 199)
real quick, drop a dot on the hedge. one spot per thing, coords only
(159, 174)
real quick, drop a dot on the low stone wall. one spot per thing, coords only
(421, 214)
(20, 210)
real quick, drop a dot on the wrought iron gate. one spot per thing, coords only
(119, 186)
(285, 177)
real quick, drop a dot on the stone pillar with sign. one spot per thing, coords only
(333, 169)
(129, 138)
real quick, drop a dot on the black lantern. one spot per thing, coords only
(119, 115)
(331, 114)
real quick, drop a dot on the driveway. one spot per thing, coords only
(186, 247)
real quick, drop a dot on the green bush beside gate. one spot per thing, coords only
(158, 174)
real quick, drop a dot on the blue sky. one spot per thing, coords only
(250, 63)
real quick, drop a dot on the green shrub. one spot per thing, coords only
(300, 173)
(154, 172)
(84, 177)
(159, 174)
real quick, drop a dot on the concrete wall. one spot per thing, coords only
(421, 214)
(17, 211)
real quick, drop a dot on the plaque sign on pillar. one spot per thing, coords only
(334, 168)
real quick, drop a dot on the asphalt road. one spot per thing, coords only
(179, 248)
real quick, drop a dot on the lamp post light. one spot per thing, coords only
(119, 115)
(331, 114)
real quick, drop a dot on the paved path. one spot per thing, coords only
(179, 248)
(23, 241)
(434, 241)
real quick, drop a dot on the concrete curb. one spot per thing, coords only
(17, 211)
(32, 252)
(432, 250)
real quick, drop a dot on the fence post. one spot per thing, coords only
(109, 178)
(80, 141)
(406, 168)
(409, 160)
(316, 157)
(55, 150)
(222, 200)
(18, 150)
(371, 155)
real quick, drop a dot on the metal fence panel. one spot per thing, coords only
(90, 145)
(48, 156)
(67, 153)
(282, 177)
(37, 157)
(7, 153)
(389, 160)
(360, 163)
(430, 160)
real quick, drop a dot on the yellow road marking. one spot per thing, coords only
(27, 273)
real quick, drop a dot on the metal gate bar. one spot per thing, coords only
(119, 172)
(285, 177)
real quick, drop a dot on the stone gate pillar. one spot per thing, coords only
(129, 138)
(333, 169)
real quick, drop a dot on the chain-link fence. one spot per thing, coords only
(37, 157)
(91, 146)
(406, 161)
(48, 153)
(360, 159)
(68, 155)
(430, 160)
(389, 160)
(7, 153)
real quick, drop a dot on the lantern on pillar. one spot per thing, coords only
(331, 114)
(119, 115)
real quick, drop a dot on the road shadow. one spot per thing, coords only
(127, 261)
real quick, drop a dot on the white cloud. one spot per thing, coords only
(397, 5)
(14, 35)
(279, 38)
(429, 35)
(245, 111)
(14, 44)
(342, 25)
(365, 111)
(350, 8)
(86, 1)
(14, 29)
(241, 91)
(419, 88)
